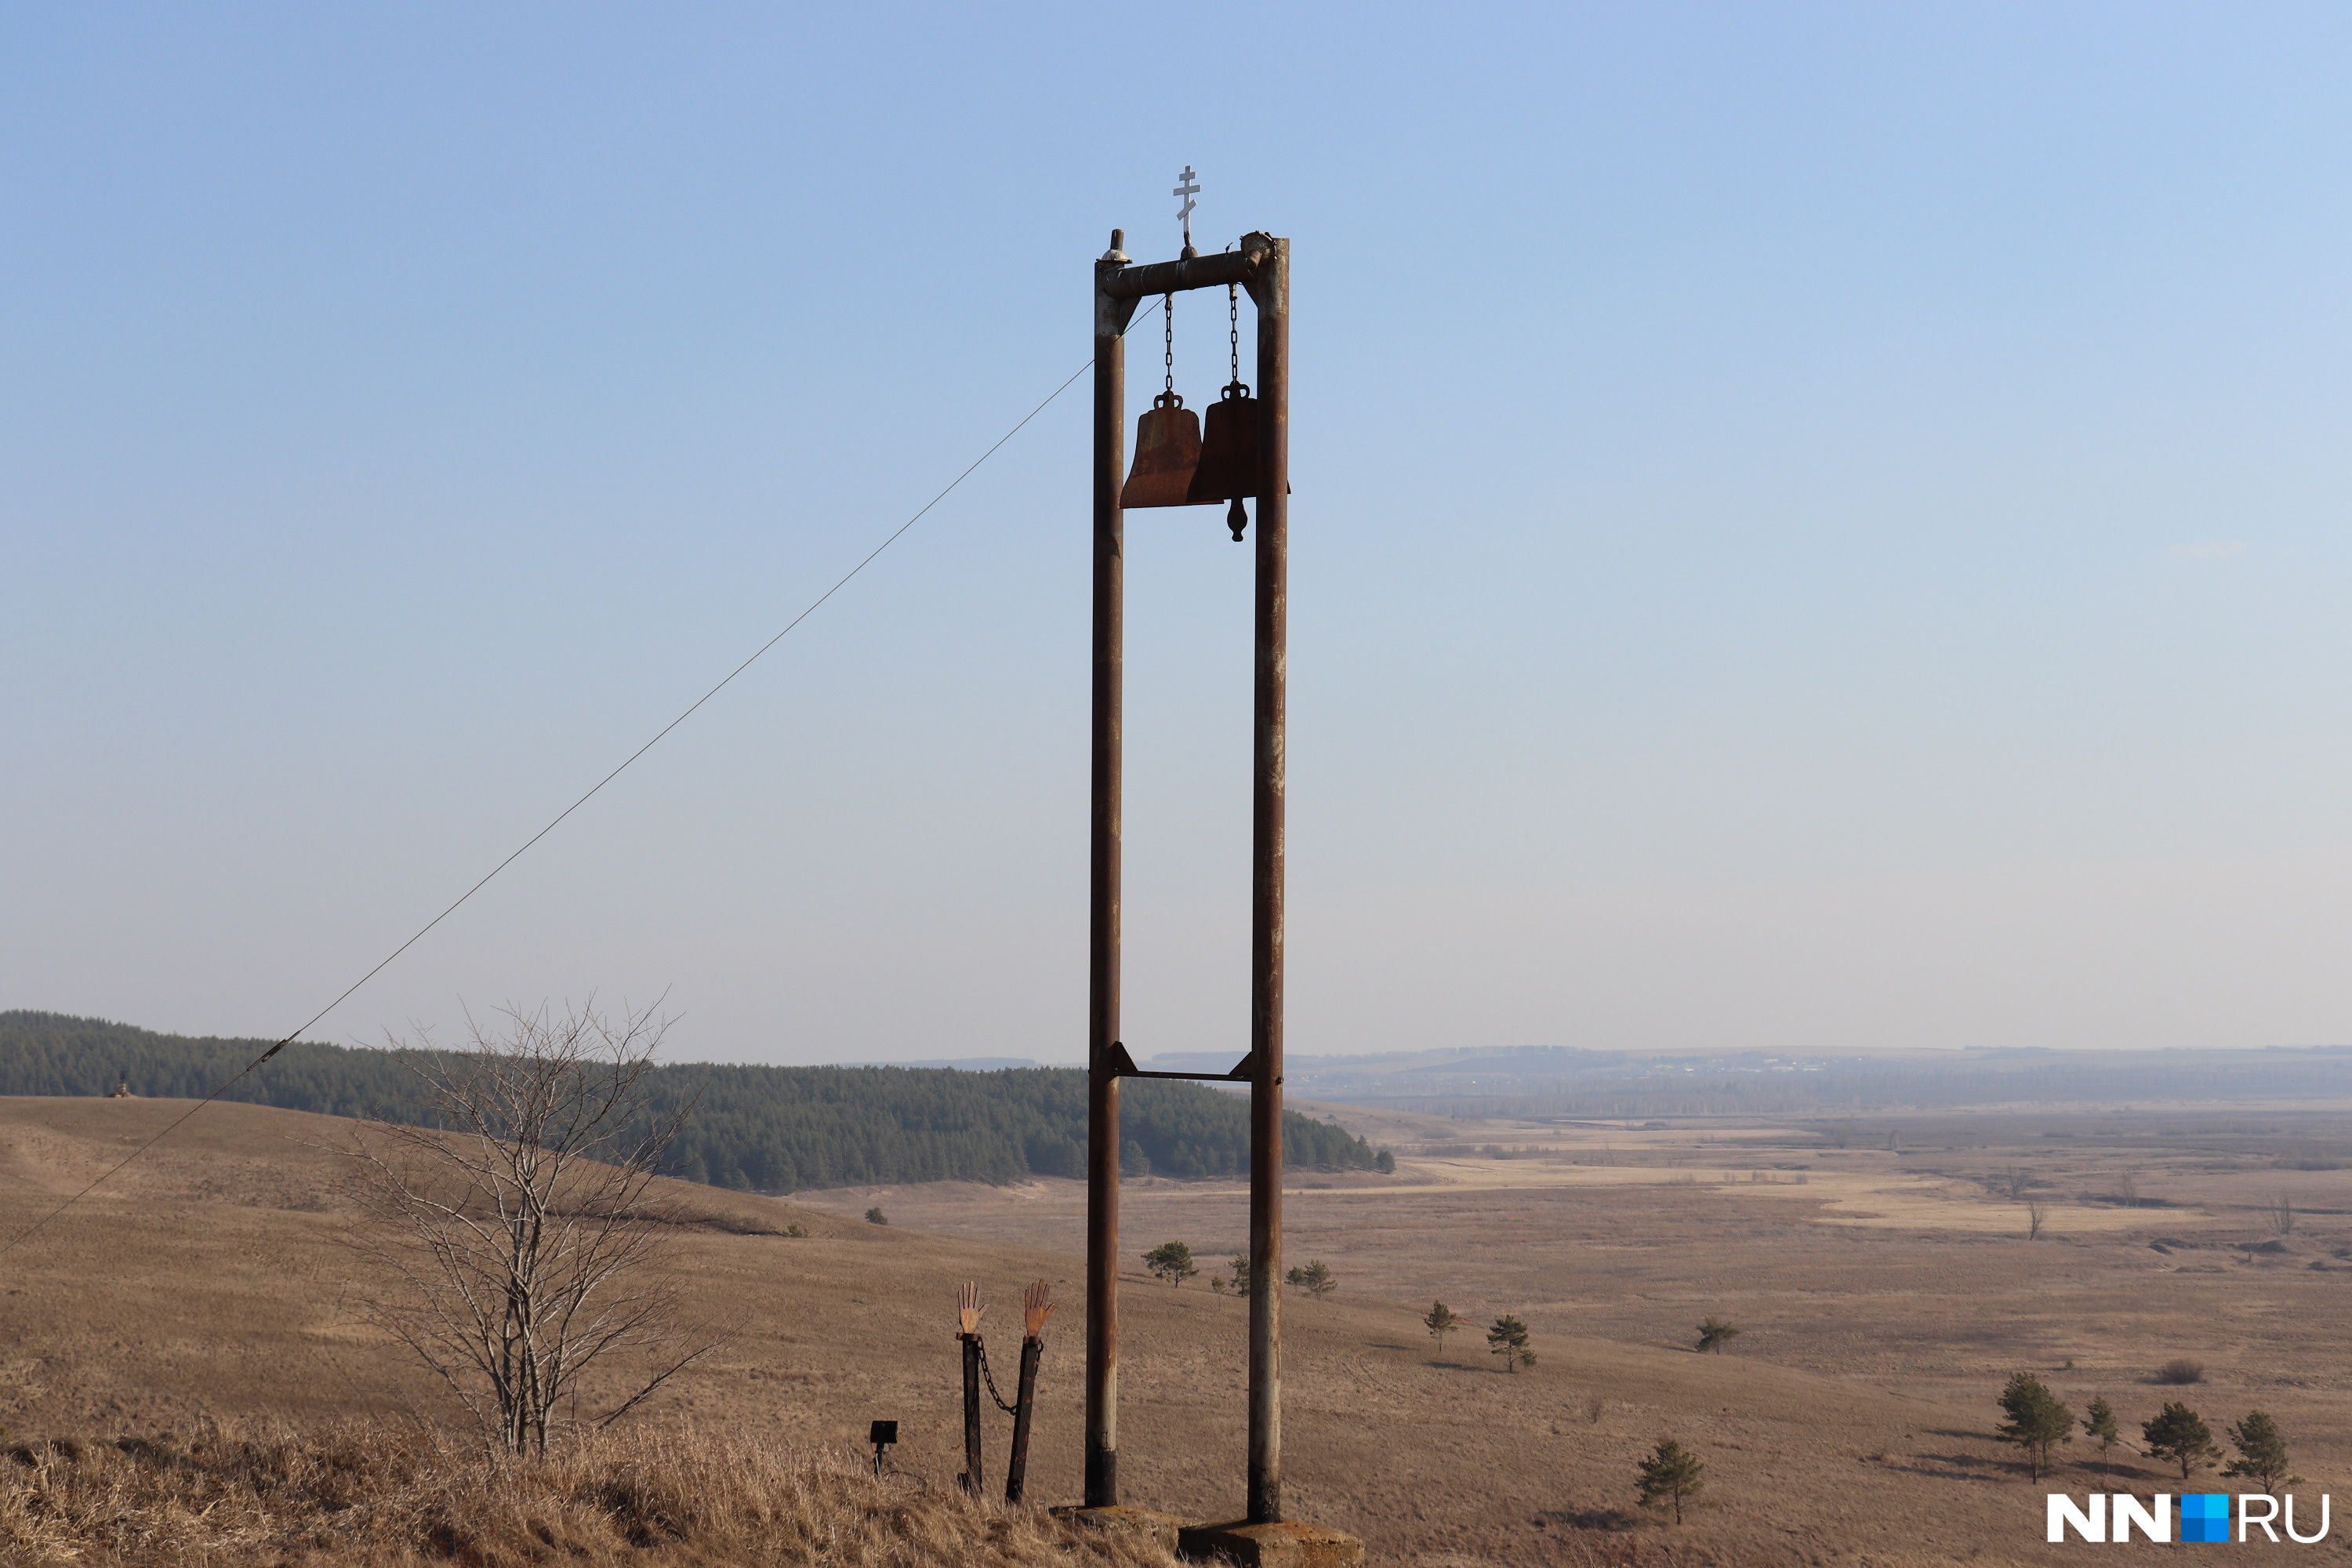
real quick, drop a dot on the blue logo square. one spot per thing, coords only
(2205, 1516)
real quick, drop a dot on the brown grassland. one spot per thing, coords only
(182, 1353)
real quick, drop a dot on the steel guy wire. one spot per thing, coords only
(12, 1243)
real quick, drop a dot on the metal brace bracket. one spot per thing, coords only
(1123, 1066)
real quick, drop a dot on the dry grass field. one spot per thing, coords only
(1883, 1295)
(366, 1494)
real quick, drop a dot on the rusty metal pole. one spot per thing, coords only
(971, 1462)
(1111, 317)
(1024, 1406)
(1270, 288)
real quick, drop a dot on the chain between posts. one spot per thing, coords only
(990, 1378)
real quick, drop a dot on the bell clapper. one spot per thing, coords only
(1237, 518)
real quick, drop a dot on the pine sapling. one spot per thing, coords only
(1670, 1474)
(2177, 1434)
(1440, 1321)
(2037, 1420)
(2261, 1452)
(1508, 1339)
(2099, 1425)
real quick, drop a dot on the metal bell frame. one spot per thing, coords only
(1261, 263)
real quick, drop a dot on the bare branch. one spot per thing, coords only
(518, 1231)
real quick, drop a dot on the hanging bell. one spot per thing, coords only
(1167, 450)
(1228, 465)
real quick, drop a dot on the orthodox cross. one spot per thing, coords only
(1188, 190)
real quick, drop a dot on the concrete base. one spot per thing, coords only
(1160, 1527)
(1286, 1545)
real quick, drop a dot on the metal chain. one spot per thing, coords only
(990, 1377)
(1233, 315)
(1168, 358)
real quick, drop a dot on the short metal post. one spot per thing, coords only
(1103, 888)
(972, 1466)
(1016, 1474)
(1270, 288)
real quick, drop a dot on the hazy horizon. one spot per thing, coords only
(1206, 1062)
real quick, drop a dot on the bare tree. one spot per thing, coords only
(2037, 1214)
(519, 1232)
(2015, 1179)
(2280, 1215)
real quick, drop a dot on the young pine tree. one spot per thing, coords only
(1714, 1333)
(2178, 1435)
(1671, 1473)
(2037, 1420)
(1508, 1339)
(1172, 1261)
(1315, 1278)
(2099, 1425)
(2261, 1452)
(1440, 1321)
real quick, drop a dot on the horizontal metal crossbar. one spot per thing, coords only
(1175, 276)
(1123, 1066)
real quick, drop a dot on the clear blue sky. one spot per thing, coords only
(1816, 526)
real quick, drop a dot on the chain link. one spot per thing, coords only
(1168, 358)
(1233, 315)
(990, 1377)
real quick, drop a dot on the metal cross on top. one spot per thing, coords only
(1188, 190)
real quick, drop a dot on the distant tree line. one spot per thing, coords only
(757, 1129)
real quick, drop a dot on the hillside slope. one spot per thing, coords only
(207, 1281)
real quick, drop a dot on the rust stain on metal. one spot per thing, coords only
(1113, 309)
(1167, 451)
(1240, 267)
(1269, 287)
